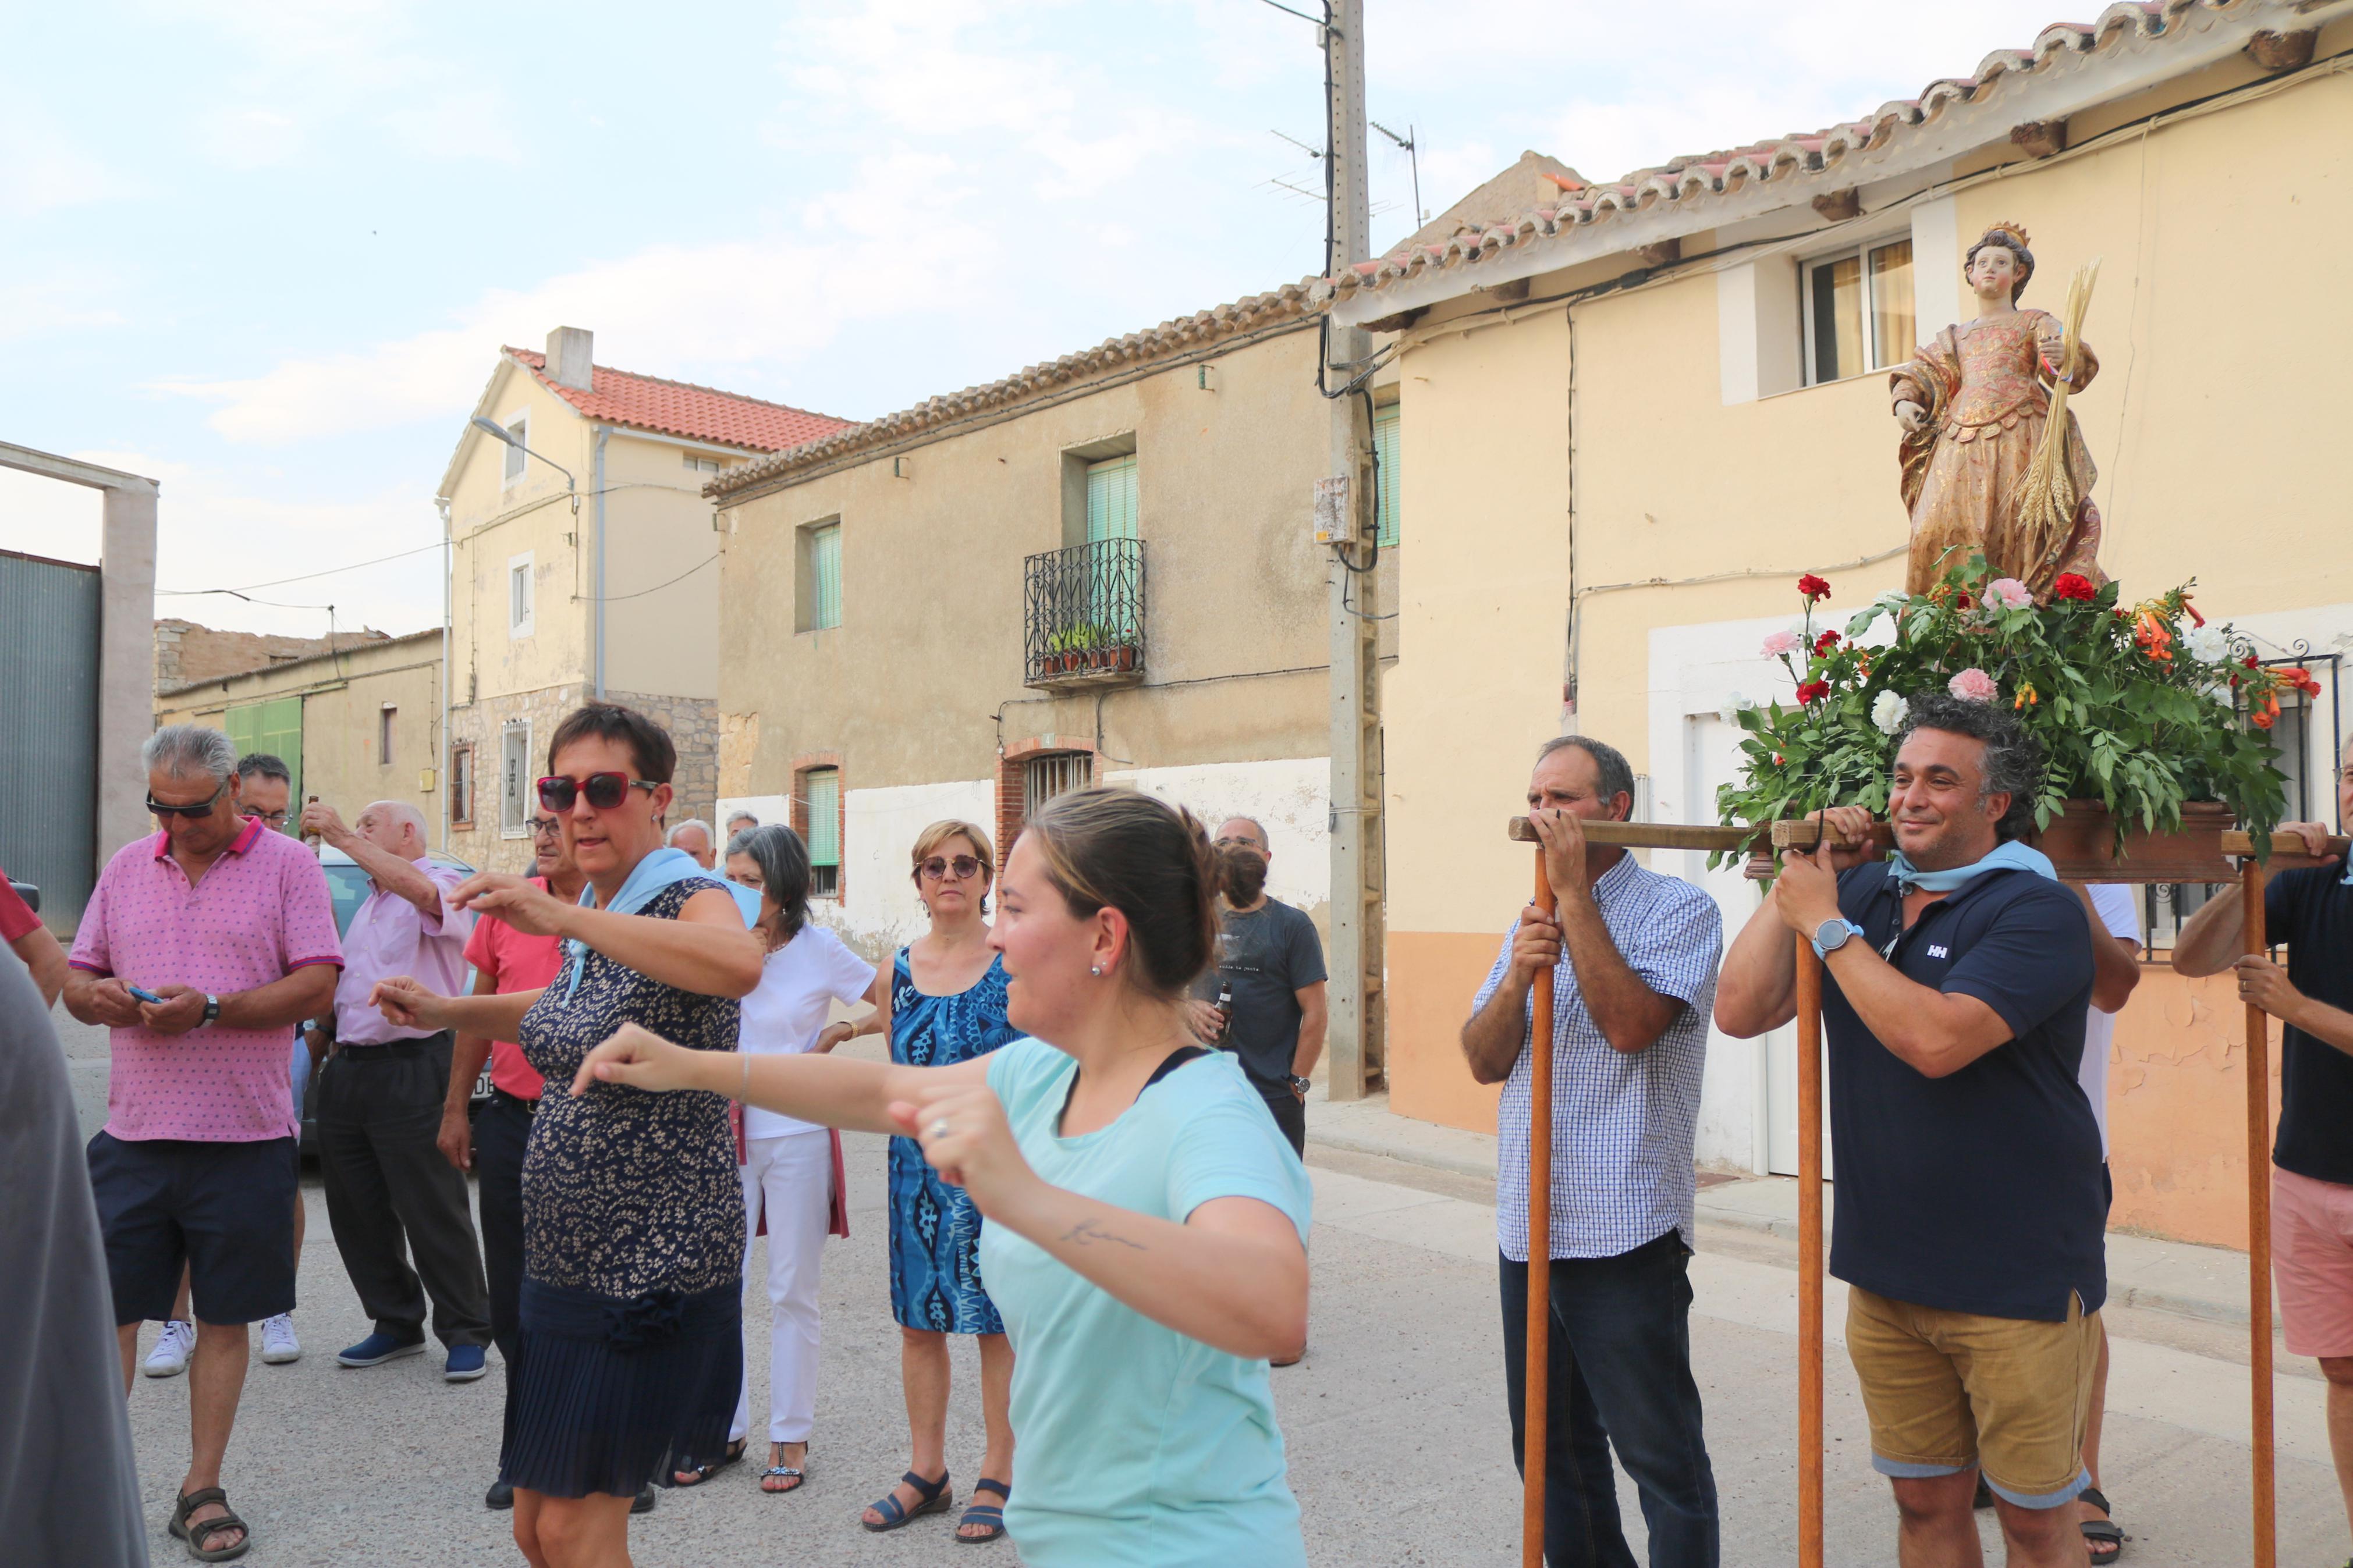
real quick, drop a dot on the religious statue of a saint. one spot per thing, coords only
(1974, 402)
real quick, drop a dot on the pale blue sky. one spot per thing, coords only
(268, 255)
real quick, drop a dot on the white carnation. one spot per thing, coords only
(1734, 706)
(2208, 645)
(1888, 712)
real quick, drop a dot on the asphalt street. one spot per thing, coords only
(1394, 1421)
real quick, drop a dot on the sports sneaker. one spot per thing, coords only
(170, 1356)
(278, 1344)
(379, 1348)
(466, 1363)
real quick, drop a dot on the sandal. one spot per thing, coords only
(203, 1497)
(703, 1473)
(990, 1519)
(2103, 1538)
(936, 1497)
(785, 1472)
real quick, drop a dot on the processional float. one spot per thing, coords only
(2151, 721)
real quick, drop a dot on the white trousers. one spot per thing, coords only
(792, 1178)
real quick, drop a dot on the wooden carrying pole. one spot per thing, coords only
(1535, 1389)
(2259, 1228)
(1810, 1257)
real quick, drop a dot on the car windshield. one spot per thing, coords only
(348, 886)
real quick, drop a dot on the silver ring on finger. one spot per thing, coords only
(937, 1129)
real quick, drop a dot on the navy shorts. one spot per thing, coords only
(225, 1210)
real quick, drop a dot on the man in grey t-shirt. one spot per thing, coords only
(1269, 957)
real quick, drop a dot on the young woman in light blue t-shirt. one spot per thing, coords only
(1145, 1222)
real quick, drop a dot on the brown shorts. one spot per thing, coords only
(1949, 1391)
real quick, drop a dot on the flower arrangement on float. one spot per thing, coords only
(2140, 710)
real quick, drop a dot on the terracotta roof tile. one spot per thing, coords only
(1292, 303)
(1815, 156)
(682, 408)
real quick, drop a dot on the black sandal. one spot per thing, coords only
(785, 1472)
(990, 1519)
(936, 1499)
(203, 1497)
(2103, 1538)
(702, 1473)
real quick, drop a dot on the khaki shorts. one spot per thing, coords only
(1947, 1391)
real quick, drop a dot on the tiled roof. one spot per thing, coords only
(1290, 303)
(682, 408)
(1820, 162)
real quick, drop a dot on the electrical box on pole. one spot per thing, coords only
(1345, 525)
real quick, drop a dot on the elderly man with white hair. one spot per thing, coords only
(693, 836)
(391, 1196)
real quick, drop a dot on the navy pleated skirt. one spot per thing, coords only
(606, 1393)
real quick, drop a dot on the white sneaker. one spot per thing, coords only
(170, 1356)
(278, 1344)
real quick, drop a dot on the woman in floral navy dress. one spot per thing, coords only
(947, 1005)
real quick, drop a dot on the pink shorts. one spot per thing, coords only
(2312, 1263)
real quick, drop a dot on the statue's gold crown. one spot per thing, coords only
(2016, 231)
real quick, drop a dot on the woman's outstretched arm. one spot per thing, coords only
(833, 1092)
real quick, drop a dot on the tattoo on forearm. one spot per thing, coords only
(1084, 1234)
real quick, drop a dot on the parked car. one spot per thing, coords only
(26, 891)
(348, 886)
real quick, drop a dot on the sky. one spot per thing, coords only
(268, 255)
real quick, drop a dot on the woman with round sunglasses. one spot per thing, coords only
(1145, 1235)
(945, 1005)
(630, 1352)
(791, 1171)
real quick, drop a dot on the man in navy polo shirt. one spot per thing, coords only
(1971, 1206)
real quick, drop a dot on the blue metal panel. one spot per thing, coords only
(48, 731)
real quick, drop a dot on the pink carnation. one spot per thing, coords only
(2009, 593)
(1972, 685)
(1780, 644)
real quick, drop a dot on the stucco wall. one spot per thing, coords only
(662, 571)
(2218, 461)
(492, 522)
(342, 701)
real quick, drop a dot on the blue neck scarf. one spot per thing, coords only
(662, 868)
(2012, 855)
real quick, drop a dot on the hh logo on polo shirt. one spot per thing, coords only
(1936, 952)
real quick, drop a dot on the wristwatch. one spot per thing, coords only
(212, 1010)
(1300, 1086)
(1832, 935)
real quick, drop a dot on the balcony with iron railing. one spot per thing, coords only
(1083, 622)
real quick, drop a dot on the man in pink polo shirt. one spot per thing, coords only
(391, 1198)
(230, 930)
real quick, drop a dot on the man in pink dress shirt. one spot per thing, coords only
(231, 929)
(390, 1194)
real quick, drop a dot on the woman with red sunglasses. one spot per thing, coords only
(630, 1352)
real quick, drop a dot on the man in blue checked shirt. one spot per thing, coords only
(1633, 956)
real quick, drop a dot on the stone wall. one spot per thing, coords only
(693, 724)
(186, 652)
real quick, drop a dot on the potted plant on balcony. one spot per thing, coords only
(2150, 720)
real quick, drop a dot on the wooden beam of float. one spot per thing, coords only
(2203, 852)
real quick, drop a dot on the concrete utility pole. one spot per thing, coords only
(1358, 1017)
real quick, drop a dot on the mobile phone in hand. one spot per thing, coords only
(143, 995)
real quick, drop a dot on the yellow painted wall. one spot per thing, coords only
(342, 699)
(2218, 322)
(661, 628)
(492, 522)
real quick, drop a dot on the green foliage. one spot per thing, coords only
(2125, 710)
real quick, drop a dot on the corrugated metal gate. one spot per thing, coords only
(48, 730)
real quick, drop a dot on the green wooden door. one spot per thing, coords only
(275, 727)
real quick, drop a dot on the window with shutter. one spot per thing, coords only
(1388, 473)
(1111, 499)
(821, 789)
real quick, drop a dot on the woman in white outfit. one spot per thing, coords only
(790, 1166)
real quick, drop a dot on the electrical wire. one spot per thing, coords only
(281, 581)
(617, 599)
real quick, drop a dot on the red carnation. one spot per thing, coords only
(1813, 691)
(1963, 602)
(1813, 587)
(2074, 585)
(1824, 643)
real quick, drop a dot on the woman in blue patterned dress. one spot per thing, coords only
(947, 1005)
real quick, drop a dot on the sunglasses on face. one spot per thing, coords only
(939, 869)
(201, 808)
(604, 791)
